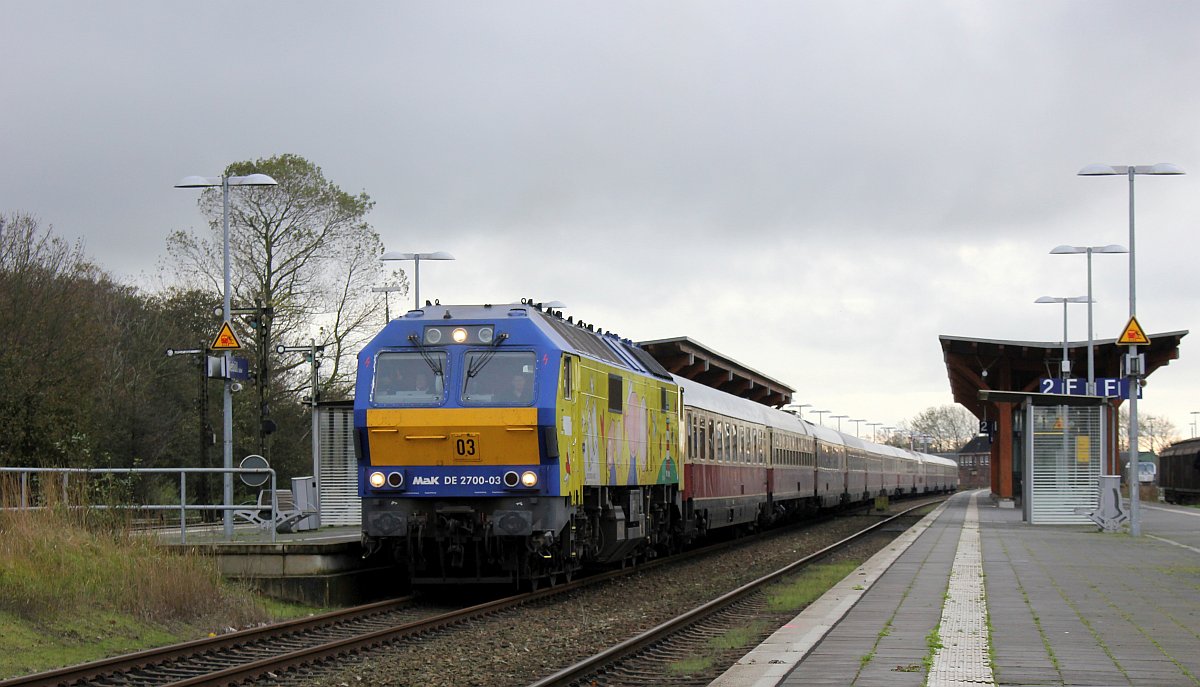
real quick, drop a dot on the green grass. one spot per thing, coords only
(77, 586)
(697, 665)
(789, 596)
(933, 642)
(808, 586)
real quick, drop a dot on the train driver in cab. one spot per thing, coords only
(521, 391)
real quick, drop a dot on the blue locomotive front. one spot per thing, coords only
(487, 450)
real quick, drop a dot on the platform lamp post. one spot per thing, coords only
(225, 182)
(1068, 250)
(1066, 363)
(857, 424)
(1194, 414)
(874, 427)
(839, 418)
(820, 416)
(1133, 370)
(796, 408)
(385, 290)
(417, 258)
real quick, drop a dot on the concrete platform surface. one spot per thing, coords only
(975, 596)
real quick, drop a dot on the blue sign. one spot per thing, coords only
(239, 368)
(1109, 387)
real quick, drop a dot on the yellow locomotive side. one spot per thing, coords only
(615, 428)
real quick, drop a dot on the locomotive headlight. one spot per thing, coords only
(459, 335)
(529, 479)
(433, 336)
(485, 335)
(511, 479)
(378, 479)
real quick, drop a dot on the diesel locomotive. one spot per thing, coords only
(506, 444)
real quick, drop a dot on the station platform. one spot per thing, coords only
(974, 596)
(321, 567)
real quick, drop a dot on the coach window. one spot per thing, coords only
(711, 452)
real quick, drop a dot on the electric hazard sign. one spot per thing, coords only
(226, 340)
(1133, 334)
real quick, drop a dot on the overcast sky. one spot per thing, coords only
(816, 189)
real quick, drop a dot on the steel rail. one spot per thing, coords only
(86, 672)
(571, 675)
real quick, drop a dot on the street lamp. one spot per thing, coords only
(1130, 171)
(820, 416)
(1066, 364)
(874, 427)
(1067, 250)
(797, 409)
(839, 418)
(225, 182)
(417, 258)
(385, 290)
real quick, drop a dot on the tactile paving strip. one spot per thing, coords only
(963, 658)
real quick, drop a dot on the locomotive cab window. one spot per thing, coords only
(409, 378)
(499, 377)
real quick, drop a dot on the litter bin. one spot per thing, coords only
(304, 493)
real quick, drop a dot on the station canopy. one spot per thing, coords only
(692, 360)
(975, 365)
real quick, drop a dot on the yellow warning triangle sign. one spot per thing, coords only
(226, 340)
(1133, 335)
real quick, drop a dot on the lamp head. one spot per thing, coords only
(1098, 170)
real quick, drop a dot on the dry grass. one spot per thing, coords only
(57, 559)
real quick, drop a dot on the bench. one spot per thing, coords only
(286, 512)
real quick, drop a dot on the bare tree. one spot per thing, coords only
(303, 249)
(1154, 432)
(948, 427)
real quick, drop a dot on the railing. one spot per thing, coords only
(183, 506)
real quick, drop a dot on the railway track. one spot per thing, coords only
(272, 651)
(196, 661)
(654, 656)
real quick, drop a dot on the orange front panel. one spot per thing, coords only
(453, 436)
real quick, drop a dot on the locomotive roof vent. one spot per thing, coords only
(517, 312)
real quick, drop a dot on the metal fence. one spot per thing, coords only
(182, 507)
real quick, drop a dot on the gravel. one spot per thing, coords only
(533, 641)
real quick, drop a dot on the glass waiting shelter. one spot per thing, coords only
(1060, 445)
